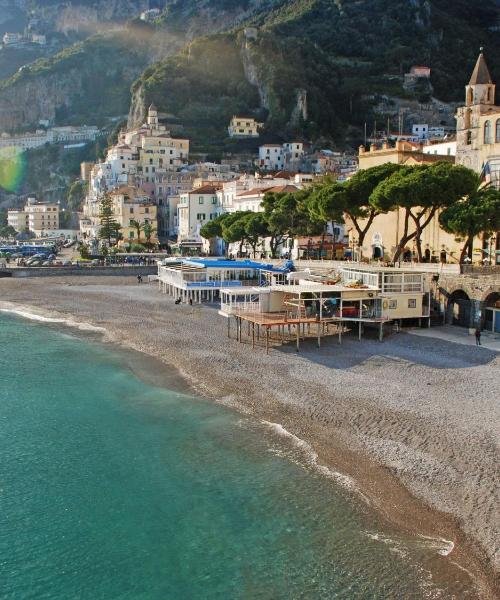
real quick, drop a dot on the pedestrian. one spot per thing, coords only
(478, 336)
(190, 302)
(139, 279)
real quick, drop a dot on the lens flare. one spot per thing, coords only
(12, 168)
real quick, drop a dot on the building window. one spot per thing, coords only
(412, 303)
(200, 217)
(200, 200)
(393, 304)
(131, 210)
(497, 131)
(487, 132)
(130, 234)
(214, 200)
(469, 138)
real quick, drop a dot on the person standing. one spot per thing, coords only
(478, 336)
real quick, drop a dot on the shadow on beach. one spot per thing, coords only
(400, 348)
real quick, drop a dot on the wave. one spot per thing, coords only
(312, 458)
(27, 313)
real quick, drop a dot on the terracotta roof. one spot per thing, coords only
(254, 192)
(481, 74)
(206, 189)
(271, 146)
(289, 189)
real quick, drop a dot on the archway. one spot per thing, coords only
(459, 309)
(377, 252)
(491, 312)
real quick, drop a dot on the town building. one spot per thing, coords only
(278, 157)
(133, 205)
(195, 209)
(37, 217)
(54, 135)
(148, 158)
(478, 124)
(244, 127)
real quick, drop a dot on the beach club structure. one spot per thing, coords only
(201, 279)
(318, 304)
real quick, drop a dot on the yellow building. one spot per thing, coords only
(38, 217)
(130, 204)
(477, 147)
(244, 127)
(403, 152)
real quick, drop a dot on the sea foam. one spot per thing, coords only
(27, 313)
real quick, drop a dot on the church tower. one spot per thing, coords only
(481, 89)
(478, 127)
(153, 117)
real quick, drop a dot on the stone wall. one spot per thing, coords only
(127, 271)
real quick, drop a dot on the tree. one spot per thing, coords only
(110, 228)
(7, 231)
(255, 229)
(76, 195)
(332, 201)
(421, 191)
(477, 213)
(138, 228)
(148, 230)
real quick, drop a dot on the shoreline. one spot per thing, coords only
(385, 492)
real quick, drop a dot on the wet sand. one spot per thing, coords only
(414, 422)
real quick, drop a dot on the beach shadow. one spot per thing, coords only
(402, 348)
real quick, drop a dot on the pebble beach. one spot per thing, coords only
(412, 424)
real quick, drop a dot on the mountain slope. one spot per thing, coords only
(318, 65)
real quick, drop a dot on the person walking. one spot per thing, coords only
(478, 336)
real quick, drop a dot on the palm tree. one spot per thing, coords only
(138, 228)
(148, 230)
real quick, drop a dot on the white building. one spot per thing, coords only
(38, 217)
(26, 141)
(271, 157)
(420, 131)
(12, 39)
(445, 148)
(195, 209)
(277, 157)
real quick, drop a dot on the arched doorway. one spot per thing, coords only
(378, 253)
(491, 312)
(427, 255)
(459, 309)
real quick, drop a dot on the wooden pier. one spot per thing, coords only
(279, 328)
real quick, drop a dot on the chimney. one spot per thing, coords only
(373, 148)
(362, 149)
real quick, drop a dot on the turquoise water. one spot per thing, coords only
(112, 488)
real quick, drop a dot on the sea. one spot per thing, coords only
(116, 485)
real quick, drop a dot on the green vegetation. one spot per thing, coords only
(110, 229)
(202, 86)
(95, 75)
(468, 207)
(341, 53)
(477, 213)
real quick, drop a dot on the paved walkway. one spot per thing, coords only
(459, 335)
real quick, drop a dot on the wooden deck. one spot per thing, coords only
(279, 328)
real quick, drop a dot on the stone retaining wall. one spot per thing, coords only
(125, 271)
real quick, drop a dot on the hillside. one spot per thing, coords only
(84, 83)
(315, 67)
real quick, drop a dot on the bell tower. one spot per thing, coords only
(481, 89)
(153, 116)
